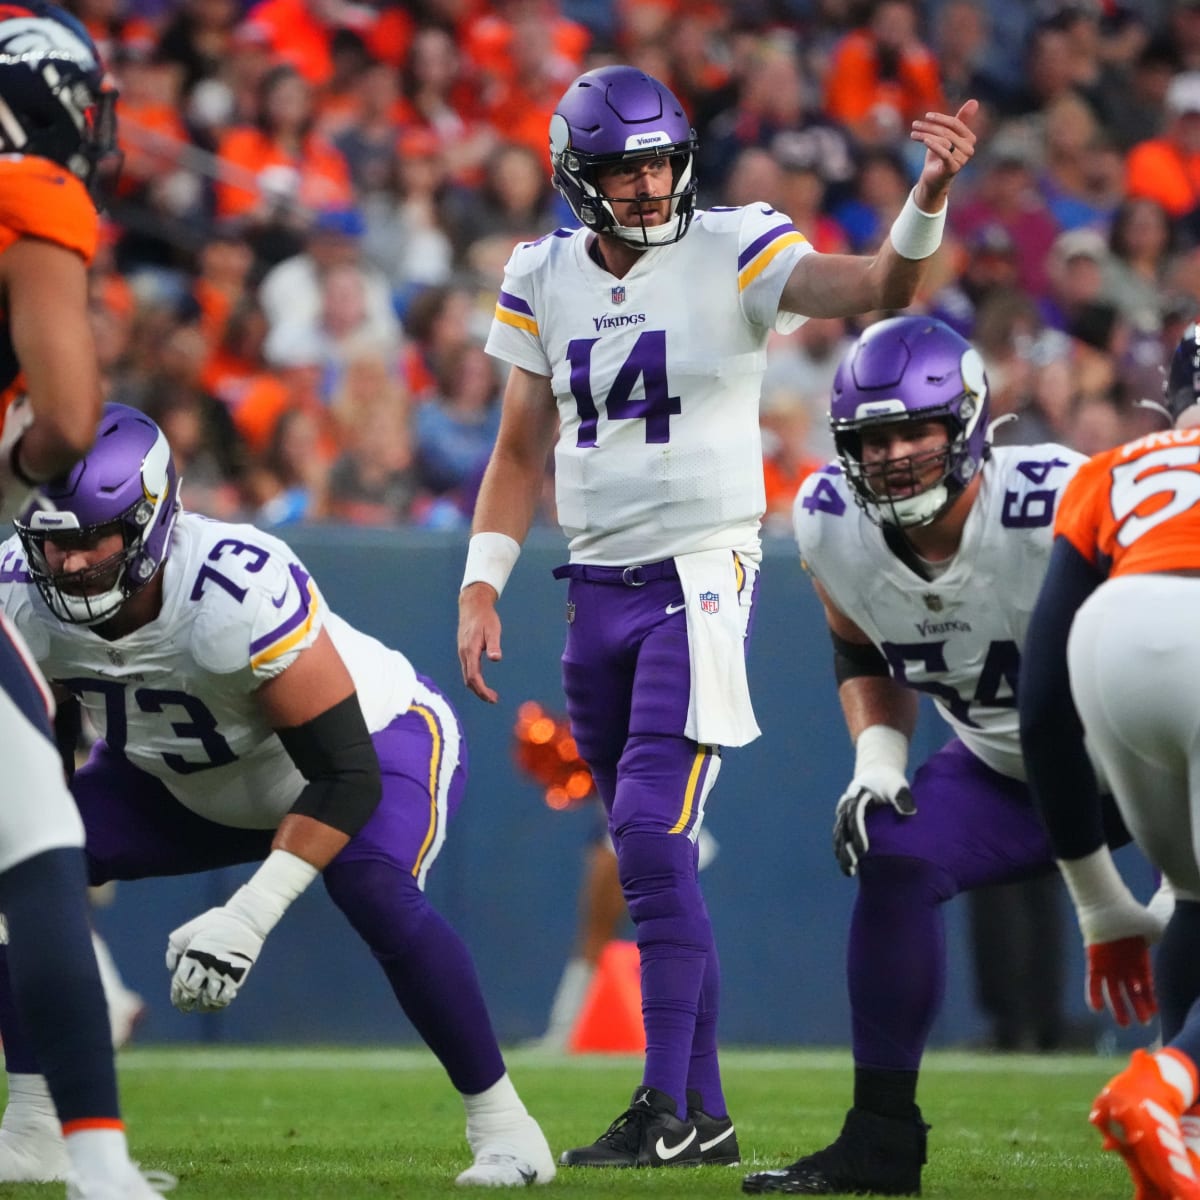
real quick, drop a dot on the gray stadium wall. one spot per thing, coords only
(507, 876)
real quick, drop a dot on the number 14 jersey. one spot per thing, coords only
(657, 377)
(958, 637)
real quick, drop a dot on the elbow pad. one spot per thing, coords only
(851, 659)
(335, 754)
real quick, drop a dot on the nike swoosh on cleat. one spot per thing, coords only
(669, 1152)
(717, 1140)
(674, 608)
(530, 1177)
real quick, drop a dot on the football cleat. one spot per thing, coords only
(1139, 1114)
(873, 1156)
(32, 1149)
(513, 1156)
(646, 1134)
(718, 1139)
(131, 1184)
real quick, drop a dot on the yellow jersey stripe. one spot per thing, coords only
(756, 266)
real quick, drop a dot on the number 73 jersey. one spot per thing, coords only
(657, 377)
(1136, 509)
(959, 637)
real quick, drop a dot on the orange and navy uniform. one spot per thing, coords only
(39, 199)
(1136, 509)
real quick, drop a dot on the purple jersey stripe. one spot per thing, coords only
(514, 303)
(760, 243)
(295, 619)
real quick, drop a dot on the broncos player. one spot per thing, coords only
(56, 129)
(926, 547)
(241, 721)
(1113, 655)
(637, 348)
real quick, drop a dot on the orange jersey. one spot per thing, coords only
(40, 199)
(1135, 510)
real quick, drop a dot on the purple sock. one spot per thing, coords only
(704, 1071)
(428, 966)
(896, 965)
(674, 938)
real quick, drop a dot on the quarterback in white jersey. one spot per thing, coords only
(637, 349)
(927, 548)
(241, 721)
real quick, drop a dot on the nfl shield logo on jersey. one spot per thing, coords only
(710, 601)
(618, 294)
(933, 602)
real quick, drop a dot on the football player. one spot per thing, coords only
(1113, 654)
(56, 130)
(926, 547)
(241, 721)
(637, 348)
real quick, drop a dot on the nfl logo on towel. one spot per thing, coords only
(710, 601)
(618, 294)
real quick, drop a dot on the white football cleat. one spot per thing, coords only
(32, 1149)
(131, 1185)
(516, 1156)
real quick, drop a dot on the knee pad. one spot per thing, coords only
(658, 878)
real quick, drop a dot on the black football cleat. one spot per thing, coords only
(646, 1134)
(872, 1156)
(718, 1140)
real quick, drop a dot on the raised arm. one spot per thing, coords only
(844, 285)
(508, 499)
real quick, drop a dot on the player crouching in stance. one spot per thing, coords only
(242, 721)
(1113, 656)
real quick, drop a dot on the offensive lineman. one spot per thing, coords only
(926, 547)
(241, 721)
(640, 341)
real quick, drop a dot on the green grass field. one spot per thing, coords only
(340, 1124)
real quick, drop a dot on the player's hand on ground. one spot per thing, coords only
(1121, 979)
(478, 635)
(210, 958)
(881, 785)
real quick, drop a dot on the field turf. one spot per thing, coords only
(357, 1124)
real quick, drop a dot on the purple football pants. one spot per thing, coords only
(627, 680)
(136, 829)
(973, 827)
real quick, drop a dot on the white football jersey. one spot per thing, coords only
(958, 637)
(657, 377)
(177, 696)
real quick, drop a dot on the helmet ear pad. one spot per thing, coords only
(614, 115)
(128, 482)
(911, 369)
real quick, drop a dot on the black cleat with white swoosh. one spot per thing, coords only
(646, 1134)
(718, 1139)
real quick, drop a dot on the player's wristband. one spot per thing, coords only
(880, 746)
(265, 897)
(915, 233)
(490, 559)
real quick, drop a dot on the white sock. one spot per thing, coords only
(568, 1000)
(496, 1109)
(99, 1153)
(29, 1102)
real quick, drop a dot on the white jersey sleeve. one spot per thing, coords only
(959, 637)
(657, 378)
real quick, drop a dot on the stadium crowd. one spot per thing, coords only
(318, 197)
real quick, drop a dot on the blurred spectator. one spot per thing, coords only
(989, 266)
(206, 487)
(1083, 178)
(368, 143)
(1167, 168)
(755, 177)
(880, 189)
(1182, 35)
(1141, 241)
(802, 195)
(1005, 194)
(960, 40)
(456, 430)
(374, 480)
(438, 324)
(1080, 272)
(301, 33)
(195, 41)
(292, 290)
(221, 284)
(275, 173)
(882, 76)
(1139, 114)
(290, 484)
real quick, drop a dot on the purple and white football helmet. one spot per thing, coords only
(56, 100)
(620, 114)
(128, 482)
(911, 369)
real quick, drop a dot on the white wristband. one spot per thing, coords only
(490, 559)
(880, 746)
(265, 897)
(915, 233)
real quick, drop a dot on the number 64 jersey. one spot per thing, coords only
(657, 377)
(958, 637)
(176, 697)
